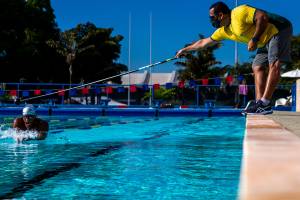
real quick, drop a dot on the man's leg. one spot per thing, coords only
(273, 79)
(278, 54)
(259, 69)
(260, 81)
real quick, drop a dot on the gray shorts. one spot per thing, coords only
(278, 48)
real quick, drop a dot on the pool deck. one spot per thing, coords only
(271, 157)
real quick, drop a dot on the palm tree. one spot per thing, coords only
(197, 66)
(90, 52)
(68, 47)
(295, 52)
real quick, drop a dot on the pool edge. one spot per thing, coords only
(104, 111)
(271, 163)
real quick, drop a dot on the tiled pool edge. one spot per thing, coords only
(271, 161)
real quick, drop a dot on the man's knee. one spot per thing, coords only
(258, 68)
(275, 67)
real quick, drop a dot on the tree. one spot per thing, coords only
(12, 26)
(197, 66)
(42, 61)
(295, 52)
(90, 52)
(27, 25)
(68, 47)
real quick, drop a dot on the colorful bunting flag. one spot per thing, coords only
(132, 88)
(169, 85)
(37, 92)
(204, 81)
(25, 93)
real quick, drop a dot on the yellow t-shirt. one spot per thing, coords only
(242, 27)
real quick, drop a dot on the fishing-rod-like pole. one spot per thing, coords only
(105, 79)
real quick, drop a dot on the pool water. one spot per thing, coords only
(125, 158)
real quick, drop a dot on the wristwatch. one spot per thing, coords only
(255, 39)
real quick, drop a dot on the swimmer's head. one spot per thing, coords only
(29, 111)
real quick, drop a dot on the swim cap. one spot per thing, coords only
(29, 110)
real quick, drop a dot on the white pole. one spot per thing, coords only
(129, 57)
(150, 54)
(236, 61)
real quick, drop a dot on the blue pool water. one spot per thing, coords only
(125, 158)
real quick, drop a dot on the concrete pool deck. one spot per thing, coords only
(271, 157)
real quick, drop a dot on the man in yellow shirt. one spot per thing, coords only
(268, 33)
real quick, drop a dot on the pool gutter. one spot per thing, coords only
(107, 111)
(271, 161)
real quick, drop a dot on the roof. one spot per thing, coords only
(145, 78)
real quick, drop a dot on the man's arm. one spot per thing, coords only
(261, 22)
(200, 44)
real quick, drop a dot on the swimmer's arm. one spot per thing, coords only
(43, 131)
(16, 124)
(41, 135)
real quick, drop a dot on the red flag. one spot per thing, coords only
(13, 92)
(85, 91)
(37, 92)
(109, 90)
(132, 88)
(204, 81)
(181, 84)
(156, 86)
(229, 79)
(61, 93)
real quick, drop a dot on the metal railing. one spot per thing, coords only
(222, 95)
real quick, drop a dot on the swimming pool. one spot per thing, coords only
(125, 158)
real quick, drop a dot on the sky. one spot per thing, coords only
(174, 23)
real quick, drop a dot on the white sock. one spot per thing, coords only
(265, 101)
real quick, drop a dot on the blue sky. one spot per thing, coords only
(174, 24)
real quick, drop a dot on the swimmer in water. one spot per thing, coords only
(30, 122)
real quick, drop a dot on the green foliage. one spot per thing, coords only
(198, 66)
(295, 52)
(33, 48)
(27, 25)
(12, 24)
(162, 94)
(90, 52)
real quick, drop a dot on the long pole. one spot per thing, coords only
(150, 54)
(129, 58)
(105, 79)
(236, 61)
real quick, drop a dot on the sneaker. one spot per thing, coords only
(258, 109)
(250, 103)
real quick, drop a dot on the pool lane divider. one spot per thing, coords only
(27, 185)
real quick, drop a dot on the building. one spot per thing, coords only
(144, 78)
